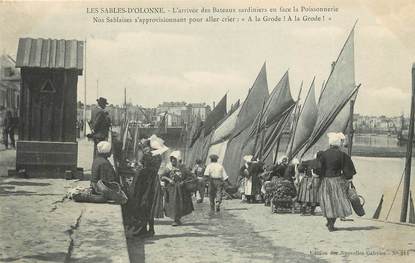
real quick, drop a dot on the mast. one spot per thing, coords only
(125, 105)
(351, 128)
(407, 178)
(258, 129)
(84, 113)
(296, 116)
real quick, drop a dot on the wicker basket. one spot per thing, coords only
(190, 185)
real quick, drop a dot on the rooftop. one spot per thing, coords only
(50, 53)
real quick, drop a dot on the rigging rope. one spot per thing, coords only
(396, 192)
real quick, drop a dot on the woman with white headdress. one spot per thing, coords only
(308, 185)
(102, 169)
(104, 180)
(251, 171)
(177, 199)
(336, 171)
(145, 202)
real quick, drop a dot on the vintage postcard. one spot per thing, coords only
(207, 131)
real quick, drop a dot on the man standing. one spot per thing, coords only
(217, 177)
(198, 171)
(8, 129)
(101, 123)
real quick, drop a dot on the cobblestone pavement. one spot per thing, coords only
(39, 224)
(250, 233)
(36, 224)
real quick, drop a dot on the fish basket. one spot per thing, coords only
(190, 185)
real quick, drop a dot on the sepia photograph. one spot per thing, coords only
(207, 131)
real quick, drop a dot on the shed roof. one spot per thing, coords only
(50, 53)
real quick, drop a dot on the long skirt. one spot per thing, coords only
(177, 201)
(241, 187)
(157, 206)
(307, 194)
(252, 185)
(333, 198)
(145, 200)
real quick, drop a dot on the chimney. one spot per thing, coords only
(213, 105)
(332, 65)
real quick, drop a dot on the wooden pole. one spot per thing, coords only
(84, 113)
(261, 149)
(258, 131)
(296, 116)
(351, 129)
(125, 104)
(407, 178)
(276, 150)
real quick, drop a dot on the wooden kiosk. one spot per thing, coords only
(47, 145)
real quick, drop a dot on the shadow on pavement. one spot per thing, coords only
(166, 223)
(358, 228)
(42, 257)
(157, 237)
(236, 209)
(22, 183)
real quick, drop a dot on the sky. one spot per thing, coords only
(201, 62)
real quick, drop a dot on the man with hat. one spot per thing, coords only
(101, 123)
(217, 177)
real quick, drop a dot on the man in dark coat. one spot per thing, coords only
(8, 129)
(101, 123)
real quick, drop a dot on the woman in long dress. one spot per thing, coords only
(177, 199)
(146, 201)
(337, 170)
(308, 187)
(251, 171)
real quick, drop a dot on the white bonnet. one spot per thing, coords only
(157, 144)
(248, 158)
(176, 154)
(336, 138)
(104, 147)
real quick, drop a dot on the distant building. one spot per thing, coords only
(9, 84)
(176, 108)
(376, 124)
(199, 109)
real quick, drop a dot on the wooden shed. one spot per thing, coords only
(47, 143)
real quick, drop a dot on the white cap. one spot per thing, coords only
(176, 154)
(248, 158)
(336, 138)
(157, 144)
(295, 161)
(104, 147)
(282, 158)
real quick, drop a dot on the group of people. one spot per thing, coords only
(323, 181)
(156, 192)
(8, 125)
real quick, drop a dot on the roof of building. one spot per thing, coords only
(50, 53)
(173, 104)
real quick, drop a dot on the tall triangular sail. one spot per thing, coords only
(337, 92)
(217, 114)
(276, 112)
(249, 109)
(305, 123)
(253, 103)
(224, 130)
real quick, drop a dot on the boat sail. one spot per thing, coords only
(332, 115)
(202, 136)
(305, 123)
(247, 113)
(275, 114)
